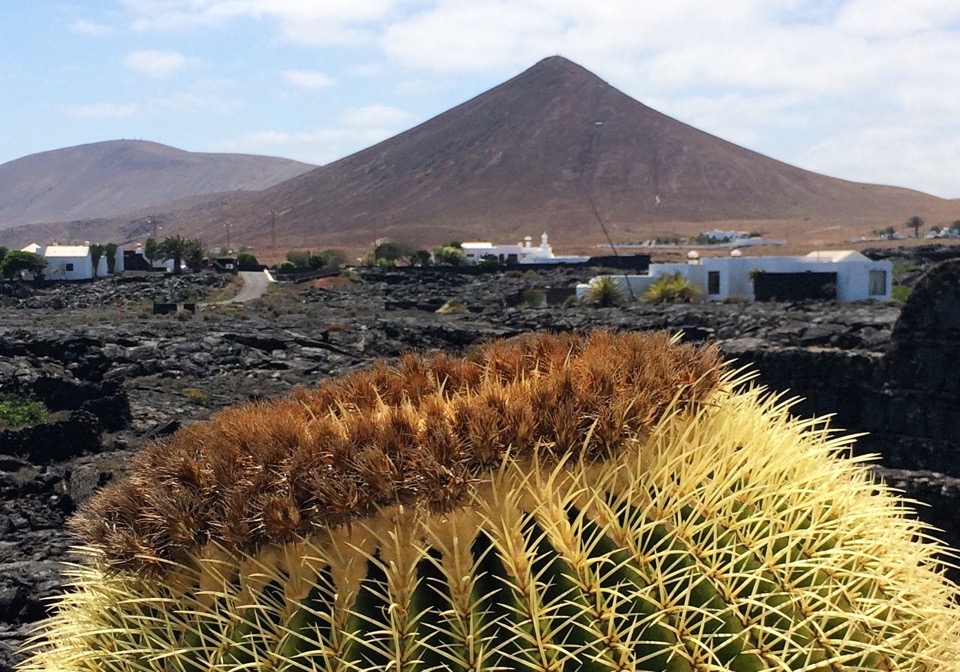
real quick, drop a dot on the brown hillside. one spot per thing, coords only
(548, 150)
(106, 179)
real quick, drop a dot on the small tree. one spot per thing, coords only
(422, 258)
(96, 254)
(955, 226)
(110, 250)
(299, 258)
(247, 259)
(17, 261)
(332, 258)
(3, 253)
(391, 252)
(193, 255)
(151, 250)
(914, 223)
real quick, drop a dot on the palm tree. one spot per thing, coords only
(915, 223)
(176, 248)
(193, 256)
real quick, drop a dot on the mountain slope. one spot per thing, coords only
(553, 149)
(540, 152)
(106, 179)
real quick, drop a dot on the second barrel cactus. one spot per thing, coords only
(599, 502)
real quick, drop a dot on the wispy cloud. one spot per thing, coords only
(301, 21)
(355, 129)
(196, 100)
(158, 64)
(85, 27)
(101, 111)
(307, 79)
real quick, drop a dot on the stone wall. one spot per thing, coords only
(63, 436)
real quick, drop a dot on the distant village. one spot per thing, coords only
(843, 275)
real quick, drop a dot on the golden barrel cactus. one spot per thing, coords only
(599, 502)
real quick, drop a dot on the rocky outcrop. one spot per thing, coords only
(913, 409)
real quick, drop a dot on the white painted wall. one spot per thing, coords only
(73, 262)
(853, 275)
(68, 262)
(520, 253)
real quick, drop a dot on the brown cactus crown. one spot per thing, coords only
(423, 430)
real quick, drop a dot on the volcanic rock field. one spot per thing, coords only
(115, 375)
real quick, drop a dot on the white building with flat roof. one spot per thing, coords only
(73, 262)
(853, 276)
(523, 252)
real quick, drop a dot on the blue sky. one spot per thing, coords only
(867, 90)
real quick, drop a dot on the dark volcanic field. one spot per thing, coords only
(140, 374)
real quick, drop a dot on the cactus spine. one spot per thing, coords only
(607, 502)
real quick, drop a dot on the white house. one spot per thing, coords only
(855, 277)
(73, 262)
(520, 253)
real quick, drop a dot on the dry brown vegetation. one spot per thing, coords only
(420, 430)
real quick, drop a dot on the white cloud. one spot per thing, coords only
(366, 70)
(375, 117)
(355, 129)
(881, 18)
(101, 111)
(196, 100)
(85, 27)
(780, 76)
(157, 64)
(308, 79)
(893, 154)
(301, 21)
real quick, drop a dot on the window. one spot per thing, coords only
(713, 282)
(877, 283)
(68, 267)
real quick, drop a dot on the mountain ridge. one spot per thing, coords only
(555, 149)
(113, 177)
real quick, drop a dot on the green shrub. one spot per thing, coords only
(300, 259)
(900, 293)
(16, 411)
(604, 291)
(195, 396)
(672, 288)
(903, 266)
(534, 298)
(247, 259)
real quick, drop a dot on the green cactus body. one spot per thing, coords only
(713, 532)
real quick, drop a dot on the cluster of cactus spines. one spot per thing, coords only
(602, 502)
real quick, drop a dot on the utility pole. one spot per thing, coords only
(228, 236)
(273, 230)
